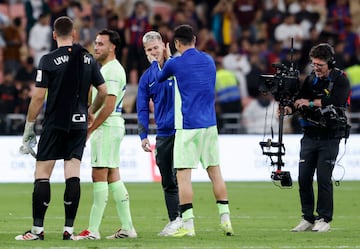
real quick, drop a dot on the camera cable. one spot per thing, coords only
(337, 164)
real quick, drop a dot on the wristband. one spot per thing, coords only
(311, 104)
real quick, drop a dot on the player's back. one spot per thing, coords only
(196, 77)
(66, 82)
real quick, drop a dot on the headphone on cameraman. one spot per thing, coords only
(331, 54)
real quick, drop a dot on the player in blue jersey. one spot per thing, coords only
(162, 95)
(196, 138)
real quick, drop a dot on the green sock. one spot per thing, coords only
(121, 198)
(223, 208)
(100, 195)
(188, 214)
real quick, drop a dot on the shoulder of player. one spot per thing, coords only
(149, 71)
(89, 56)
(113, 67)
(147, 78)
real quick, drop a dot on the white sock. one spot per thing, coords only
(69, 229)
(36, 230)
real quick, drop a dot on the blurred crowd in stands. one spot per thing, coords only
(245, 38)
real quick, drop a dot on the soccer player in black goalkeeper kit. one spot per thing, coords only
(63, 79)
(321, 102)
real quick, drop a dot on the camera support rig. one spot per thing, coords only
(284, 86)
(278, 175)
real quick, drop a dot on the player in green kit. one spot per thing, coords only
(107, 130)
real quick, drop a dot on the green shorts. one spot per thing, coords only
(105, 146)
(194, 146)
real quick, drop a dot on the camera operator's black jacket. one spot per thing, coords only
(334, 91)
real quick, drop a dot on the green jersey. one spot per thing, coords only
(115, 80)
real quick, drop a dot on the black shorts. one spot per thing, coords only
(57, 144)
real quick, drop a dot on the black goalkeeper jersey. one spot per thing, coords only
(67, 84)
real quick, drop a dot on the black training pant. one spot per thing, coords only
(317, 155)
(164, 160)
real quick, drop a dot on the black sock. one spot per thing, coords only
(185, 207)
(40, 201)
(71, 200)
(222, 202)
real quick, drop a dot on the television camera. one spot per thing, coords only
(284, 86)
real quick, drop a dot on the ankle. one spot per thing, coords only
(188, 224)
(37, 230)
(225, 217)
(70, 230)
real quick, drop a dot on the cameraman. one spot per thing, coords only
(326, 88)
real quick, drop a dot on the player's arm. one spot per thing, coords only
(104, 112)
(143, 112)
(36, 104)
(167, 52)
(29, 137)
(145, 145)
(99, 98)
(167, 70)
(90, 115)
(89, 97)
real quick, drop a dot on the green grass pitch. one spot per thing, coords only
(262, 216)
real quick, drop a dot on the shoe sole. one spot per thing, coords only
(183, 234)
(299, 231)
(88, 238)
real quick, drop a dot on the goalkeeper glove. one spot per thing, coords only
(29, 139)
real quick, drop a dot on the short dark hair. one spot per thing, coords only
(323, 51)
(114, 36)
(184, 34)
(63, 26)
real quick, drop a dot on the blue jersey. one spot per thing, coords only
(162, 95)
(195, 77)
